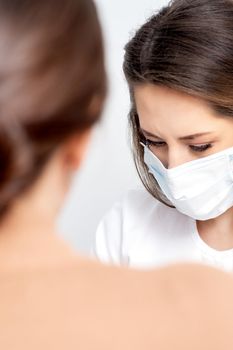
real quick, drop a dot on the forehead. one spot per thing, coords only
(159, 107)
(161, 99)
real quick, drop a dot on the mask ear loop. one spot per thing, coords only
(151, 154)
(144, 144)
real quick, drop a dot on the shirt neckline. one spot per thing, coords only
(204, 246)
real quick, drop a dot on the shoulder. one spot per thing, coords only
(137, 208)
(130, 209)
(133, 218)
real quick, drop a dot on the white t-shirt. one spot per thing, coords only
(141, 232)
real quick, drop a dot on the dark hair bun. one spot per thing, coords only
(51, 69)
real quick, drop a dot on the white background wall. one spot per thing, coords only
(108, 171)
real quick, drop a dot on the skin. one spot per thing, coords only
(184, 128)
(44, 200)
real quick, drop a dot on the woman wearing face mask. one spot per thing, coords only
(179, 68)
(52, 89)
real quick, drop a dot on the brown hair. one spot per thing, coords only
(186, 46)
(52, 84)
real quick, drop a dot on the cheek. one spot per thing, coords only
(162, 154)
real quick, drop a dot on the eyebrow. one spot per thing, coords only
(188, 137)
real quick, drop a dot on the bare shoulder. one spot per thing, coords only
(191, 303)
(179, 307)
(93, 306)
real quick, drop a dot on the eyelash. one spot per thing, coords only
(200, 148)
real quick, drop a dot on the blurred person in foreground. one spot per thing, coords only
(52, 90)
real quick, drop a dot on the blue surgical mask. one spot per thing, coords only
(202, 188)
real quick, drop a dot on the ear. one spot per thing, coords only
(75, 149)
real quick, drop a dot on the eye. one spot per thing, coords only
(154, 143)
(200, 148)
